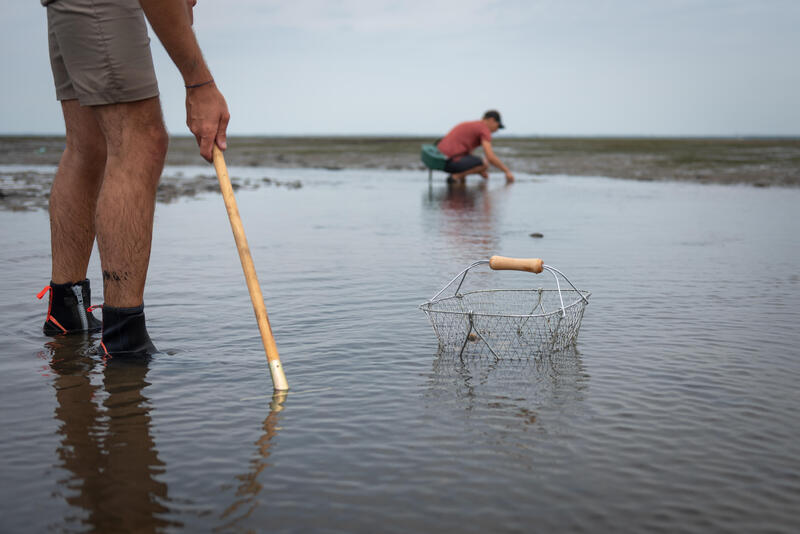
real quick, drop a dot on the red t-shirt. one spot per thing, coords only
(464, 138)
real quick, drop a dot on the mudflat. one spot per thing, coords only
(681, 393)
(761, 162)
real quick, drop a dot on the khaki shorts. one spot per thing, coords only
(100, 51)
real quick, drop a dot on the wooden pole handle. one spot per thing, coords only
(275, 368)
(501, 263)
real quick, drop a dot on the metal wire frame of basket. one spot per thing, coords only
(507, 322)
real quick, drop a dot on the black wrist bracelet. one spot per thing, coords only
(193, 86)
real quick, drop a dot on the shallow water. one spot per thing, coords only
(676, 412)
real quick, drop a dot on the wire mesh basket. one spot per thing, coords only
(507, 322)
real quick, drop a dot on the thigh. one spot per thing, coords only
(464, 163)
(100, 51)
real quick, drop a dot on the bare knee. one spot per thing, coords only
(85, 157)
(85, 142)
(157, 141)
(477, 169)
(149, 138)
(150, 151)
(134, 130)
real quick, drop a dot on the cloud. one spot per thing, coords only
(556, 66)
(360, 15)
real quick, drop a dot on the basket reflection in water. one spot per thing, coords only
(507, 322)
(532, 382)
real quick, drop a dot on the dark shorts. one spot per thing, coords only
(100, 51)
(464, 163)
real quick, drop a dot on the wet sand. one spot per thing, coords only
(759, 162)
(681, 395)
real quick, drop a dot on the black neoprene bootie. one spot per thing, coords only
(69, 309)
(125, 332)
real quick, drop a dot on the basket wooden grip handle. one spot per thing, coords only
(501, 263)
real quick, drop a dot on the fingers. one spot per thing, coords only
(204, 135)
(208, 137)
(206, 144)
(207, 117)
(222, 139)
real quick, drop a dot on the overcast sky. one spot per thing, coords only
(552, 67)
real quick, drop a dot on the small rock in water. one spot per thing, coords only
(537, 234)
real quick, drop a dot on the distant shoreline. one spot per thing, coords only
(500, 136)
(757, 161)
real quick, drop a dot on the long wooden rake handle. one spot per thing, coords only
(275, 368)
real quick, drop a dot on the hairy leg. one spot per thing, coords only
(480, 169)
(136, 141)
(485, 172)
(73, 197)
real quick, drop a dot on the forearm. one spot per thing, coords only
(494, 160)
(171, 21)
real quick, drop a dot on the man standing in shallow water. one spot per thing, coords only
(116, 143)
(466, 137)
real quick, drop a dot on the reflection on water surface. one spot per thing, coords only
(676, 411)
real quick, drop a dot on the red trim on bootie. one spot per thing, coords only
(106, 356)
(49, 317)
(43, 291)
(53, 320)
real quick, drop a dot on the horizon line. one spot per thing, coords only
(500, 136)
